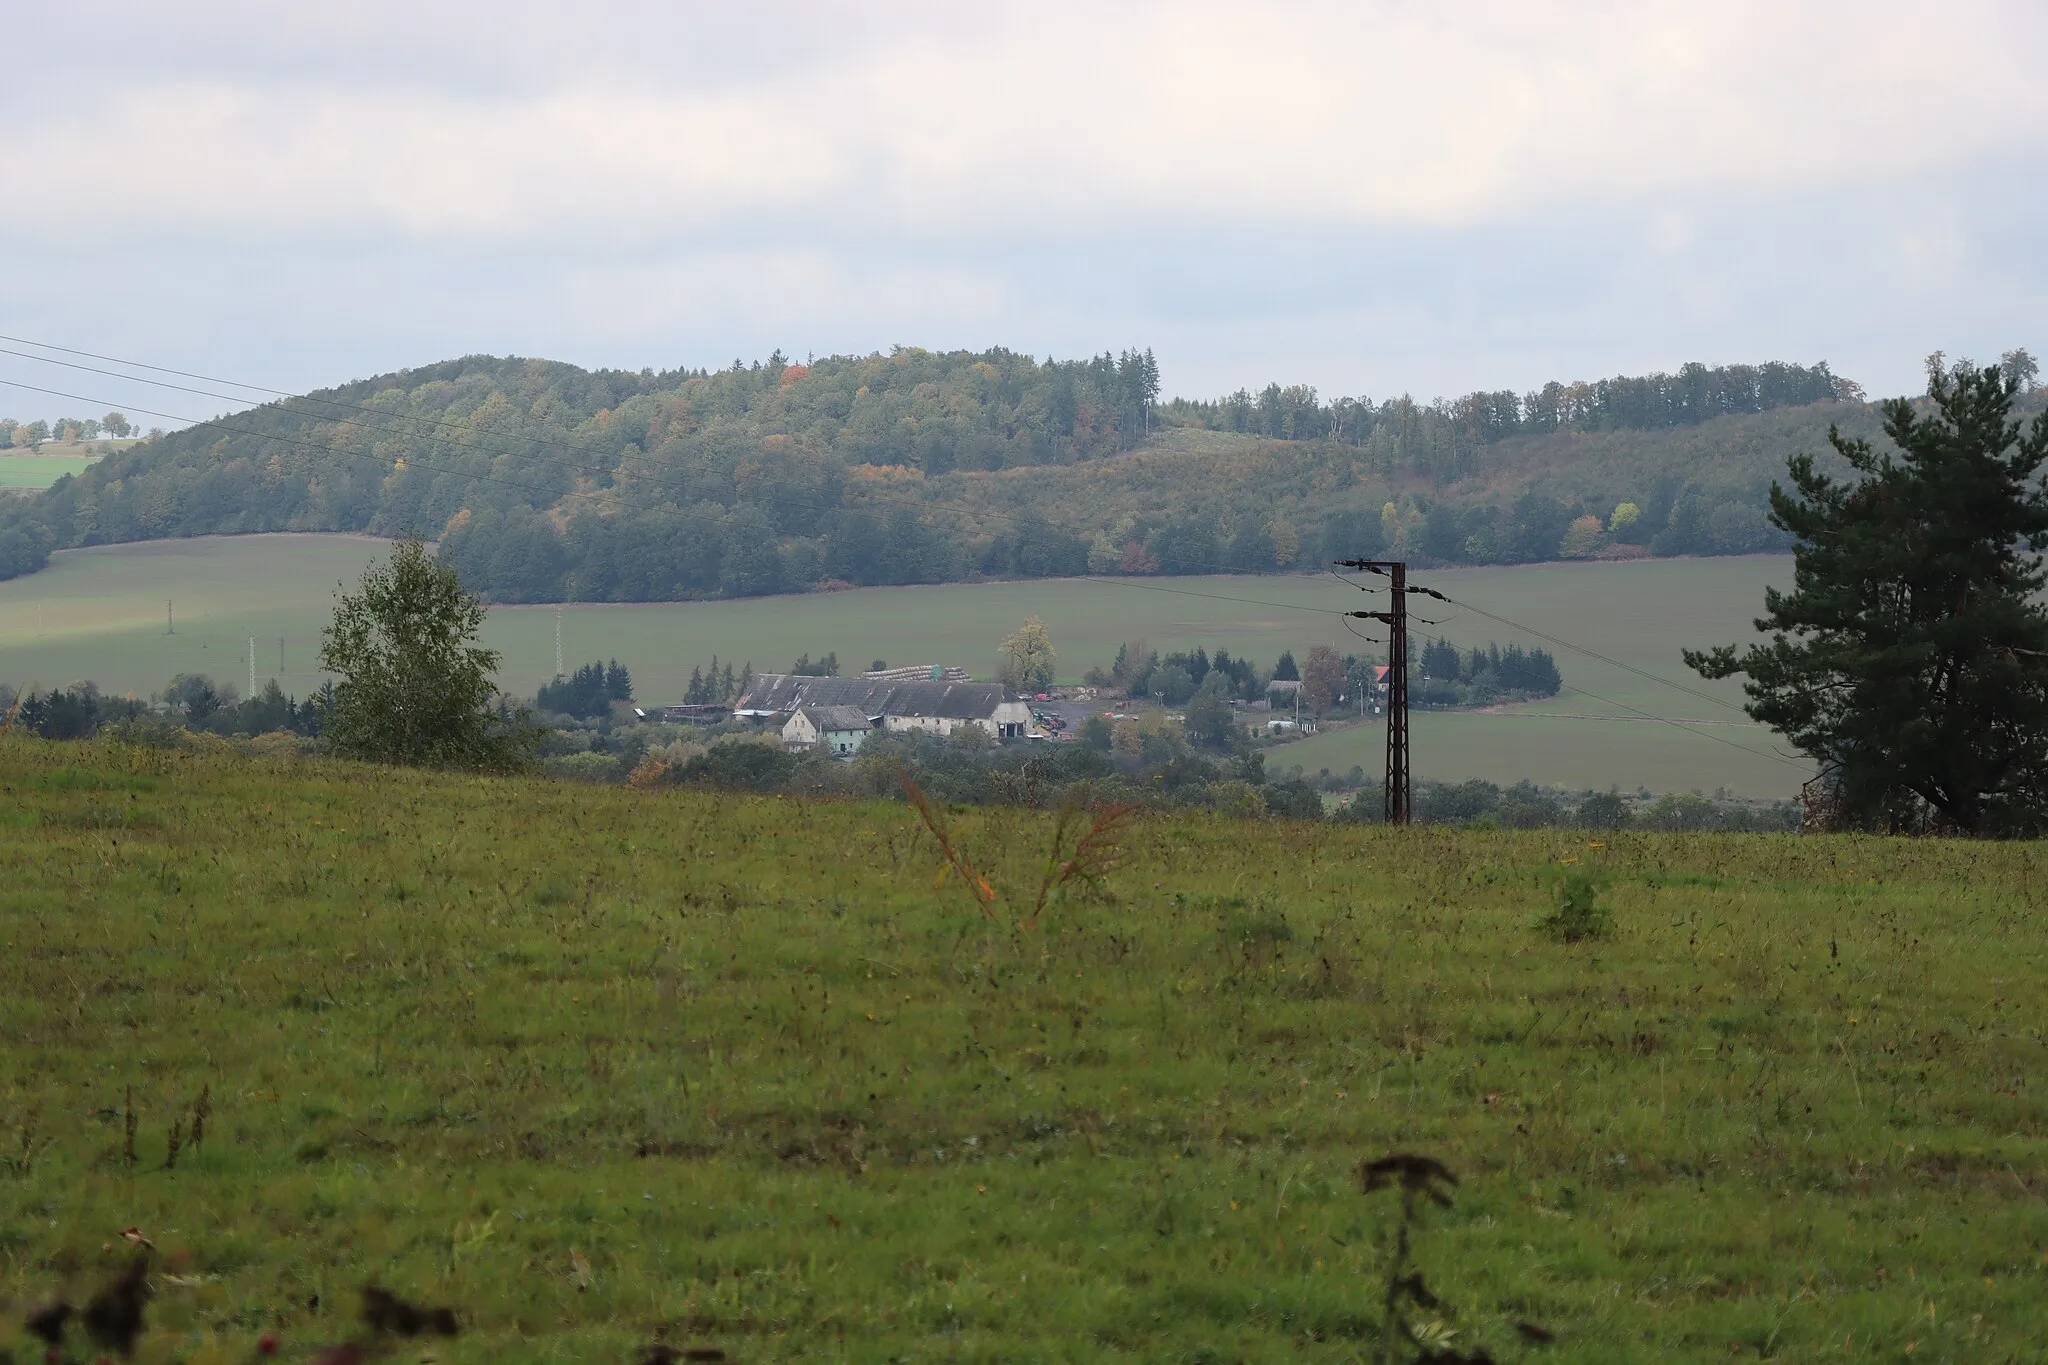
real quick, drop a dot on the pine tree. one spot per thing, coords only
(1910, 660)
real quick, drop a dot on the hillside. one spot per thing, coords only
(591, 1064)
(547, 482)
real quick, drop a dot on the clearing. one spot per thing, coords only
(592, 1064)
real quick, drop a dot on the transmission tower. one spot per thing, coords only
(1395, 619)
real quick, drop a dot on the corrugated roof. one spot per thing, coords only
(785, 692)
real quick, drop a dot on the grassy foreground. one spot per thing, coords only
(591, 1064)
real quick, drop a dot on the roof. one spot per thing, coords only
(828, 718)
(782, 693)
(1284, 685)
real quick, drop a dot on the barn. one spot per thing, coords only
(929, 707)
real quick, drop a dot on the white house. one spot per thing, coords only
(836, 730)
(930, 707)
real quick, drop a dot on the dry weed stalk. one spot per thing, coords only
(128, 1127)
(31, 1147)
(202, 1110)
(1090, 860)
(12, 712)
(956, 858)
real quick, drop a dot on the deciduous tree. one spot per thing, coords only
(1322, 678)
(1029, 660)
(415, 687)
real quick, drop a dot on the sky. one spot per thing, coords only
(1373, 198)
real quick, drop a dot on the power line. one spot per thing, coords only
(614, 495)
(319, 449)
(552, 493)
(1562, 643)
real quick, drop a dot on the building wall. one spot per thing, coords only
(799, 732)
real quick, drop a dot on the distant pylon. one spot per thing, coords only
(1396, 800)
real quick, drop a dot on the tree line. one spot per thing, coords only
(542, 481)
(30, 435)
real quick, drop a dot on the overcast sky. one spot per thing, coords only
(1371, 198)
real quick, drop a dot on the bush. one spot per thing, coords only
(739, 764)
(1579, 914)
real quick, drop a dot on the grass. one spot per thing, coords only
(38, 471)
(99, 614)
(781, 1093)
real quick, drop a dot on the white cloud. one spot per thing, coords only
(1369, 197)
(1067, 121)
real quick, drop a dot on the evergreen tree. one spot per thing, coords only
(618, 683)
(1910, 660)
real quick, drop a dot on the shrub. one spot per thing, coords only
(1579, 914)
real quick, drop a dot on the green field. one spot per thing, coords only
(38, 471)
(593, 1064)
(99, 614)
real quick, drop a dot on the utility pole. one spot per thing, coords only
(1395, 619)
(558, 643)
(280, 656)
(170, 626)
(252, 668)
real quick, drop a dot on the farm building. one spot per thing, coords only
(836, 730)
(934, 708)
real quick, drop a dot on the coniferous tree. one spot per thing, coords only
(1910, 660)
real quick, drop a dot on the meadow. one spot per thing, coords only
(599, 1065)
(38, 471)
(99, 614)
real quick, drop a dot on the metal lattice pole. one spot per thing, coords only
(1395, 619)
(1397, 698)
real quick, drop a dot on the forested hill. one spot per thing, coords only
(543, 481)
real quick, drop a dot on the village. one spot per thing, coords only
(834, 716)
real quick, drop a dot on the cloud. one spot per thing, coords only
(1068, 121)
(1369, 197)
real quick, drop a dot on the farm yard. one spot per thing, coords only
(99, 614)
(594, 1066)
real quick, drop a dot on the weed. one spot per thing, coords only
(28, 1145)
(202, 1110)
(1579, 914)
(113, 1317)
(384, 1311)
(1088, 862)
(1418, 1179)
(128, 1128)
(956, 857)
